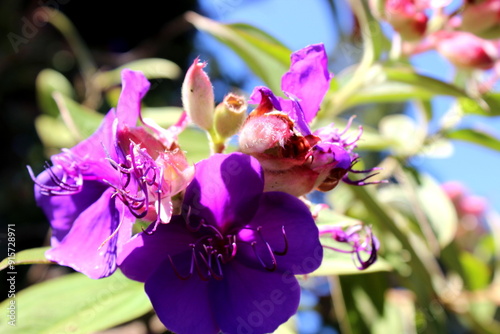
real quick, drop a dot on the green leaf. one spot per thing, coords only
(163, 116)
(27, 256)
(195, 143)
(47, 82)
(475, 136)
(490, 105)
(477, 273)
(53, 133)
(336, 263)
(153, 68)
(264, 55)
(438, 209)
(384, 84)
(407, 75)
(77, 304)
(80, 120)
(407, 137)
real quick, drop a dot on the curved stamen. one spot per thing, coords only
(362, 181)
(284, 251)
(198, 267)
(218, 276)
(274, 265)
(230, 253)
(177, 273)
(62, 187)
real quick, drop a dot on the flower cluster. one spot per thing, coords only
(226, 236)
(467, 36)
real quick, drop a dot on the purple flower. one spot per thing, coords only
(227, 263)
(277, 132)
(94, 191)
(355, 239)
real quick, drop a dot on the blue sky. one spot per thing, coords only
(298, 25)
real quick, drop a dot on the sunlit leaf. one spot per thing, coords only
(53, 133)
(80, 120)
(76, 304)
(27, 256)
(386, 84)
(475, 136)
(263, 54)
(195, 143)
(407, 137)
(47, 82)
(490, 107)
(438, 209)
(476, 271)
(163, 116)
(336, 263)
(153, 68)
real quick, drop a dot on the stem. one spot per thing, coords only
(217, 144)
(369, 57)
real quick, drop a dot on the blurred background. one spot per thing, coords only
(119, 34)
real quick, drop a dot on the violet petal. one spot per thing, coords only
(144, 252)
(81, 247)
(134, 88)
(231, 188)
(183, 306)
(62, 211)
(277, 212)
(308, 78)
(253, 301)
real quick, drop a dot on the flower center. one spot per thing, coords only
(213, 249)
(140, 177)
(66, 175)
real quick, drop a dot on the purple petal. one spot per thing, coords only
(183, 306)
(294, 110)
(62, 211)
(308, 78)
(253, 301)
(134, 87)
(144, 253)
(263, 94)
(225, 190)
(94, 150)
(81, 247)
(277, 212)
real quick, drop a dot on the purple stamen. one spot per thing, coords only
(274, 265)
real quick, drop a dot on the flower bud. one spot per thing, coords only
(198, 95)
(229, 115)
(407, 18)
(466, 50)
(482, 18)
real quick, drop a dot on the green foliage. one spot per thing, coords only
(77, 304)
(427, 277)
(263, 54)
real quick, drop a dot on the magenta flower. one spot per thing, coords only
(354, 240)
(94, 191)
(227, 263)
(277, 131)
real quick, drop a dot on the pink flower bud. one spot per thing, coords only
(198, 96)
(481, 18)
(466, 50)
(406, 18)
(472, 205)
